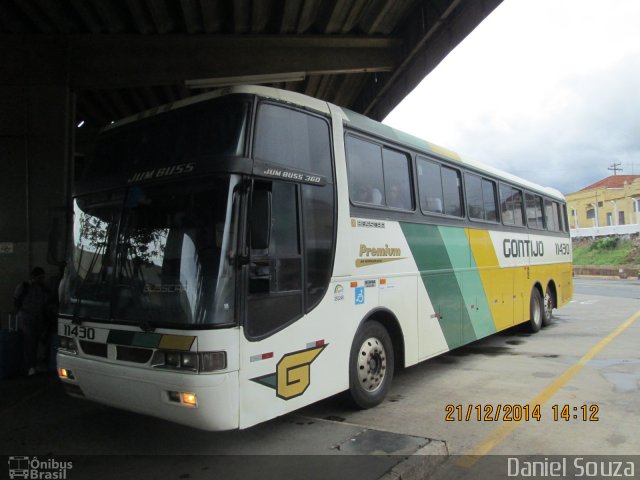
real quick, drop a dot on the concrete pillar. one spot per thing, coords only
(35, 138)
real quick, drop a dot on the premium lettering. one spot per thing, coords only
(385, 251)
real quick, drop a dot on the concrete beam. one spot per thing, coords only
(35, 137)
(121, 61)
(430, 36)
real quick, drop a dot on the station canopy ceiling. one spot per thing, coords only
(125, 56)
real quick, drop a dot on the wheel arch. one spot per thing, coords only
(551, 286)
(390, 322)
(538, 287)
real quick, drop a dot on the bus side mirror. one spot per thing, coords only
(260, 218)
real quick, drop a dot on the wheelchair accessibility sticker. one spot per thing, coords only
(359, 295)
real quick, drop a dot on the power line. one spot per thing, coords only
(615, 167)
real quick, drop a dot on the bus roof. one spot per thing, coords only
(353, 119)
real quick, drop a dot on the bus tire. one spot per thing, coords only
(547, 308)
(371, 364)
(535, 311)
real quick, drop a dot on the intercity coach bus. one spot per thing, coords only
(241, 254)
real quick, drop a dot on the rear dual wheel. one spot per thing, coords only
(547, 309)
(536, 309)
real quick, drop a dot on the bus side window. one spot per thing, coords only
(290, 137)
(511, 205)
(506, 204)
(452, 191)
(430, 186)
(489, 200)
(551, 215)
(473, 188)
(561, 223)
(481, 198)
(540, 211)
(366, 180)
(518, 212)
(535, 211)
(397, 181)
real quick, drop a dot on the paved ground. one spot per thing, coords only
(514, 368)
(558, 366)
(608, 287)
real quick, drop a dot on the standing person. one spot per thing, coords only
(30, 301)
(48, 339)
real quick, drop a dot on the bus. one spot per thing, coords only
(241, 254)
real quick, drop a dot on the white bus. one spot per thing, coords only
(244, 253)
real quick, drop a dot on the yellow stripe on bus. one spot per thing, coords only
(176, 342)
(497, 282)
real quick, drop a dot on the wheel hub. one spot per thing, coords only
(548, 306)
(372, 364)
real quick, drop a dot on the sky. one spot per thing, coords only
(548, 90)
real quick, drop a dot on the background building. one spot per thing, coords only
(609, 206)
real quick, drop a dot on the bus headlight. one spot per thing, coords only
(187, 399)
(212, 361)
(66, 373)
(190, 361)
(172, 359)
(67, 345)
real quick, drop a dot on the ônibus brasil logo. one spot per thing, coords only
(34, 469)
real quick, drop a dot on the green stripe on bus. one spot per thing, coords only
(436, 269)
(473, 293)
(134, 339)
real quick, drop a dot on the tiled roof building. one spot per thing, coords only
(614, 181)
(611, 201)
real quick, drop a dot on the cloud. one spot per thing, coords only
(590, 122)
(555, 105)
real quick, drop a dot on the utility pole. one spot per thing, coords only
(615, 167)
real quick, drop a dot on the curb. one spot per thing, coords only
(421, 464)
(598, 277)
(615, 271)
(605, 277)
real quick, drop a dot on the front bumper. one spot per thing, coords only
(145, 391)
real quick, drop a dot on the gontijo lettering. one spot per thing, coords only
(522, 248)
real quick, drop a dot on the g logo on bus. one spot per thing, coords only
(293, 373)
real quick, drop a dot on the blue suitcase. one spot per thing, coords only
(10, 351)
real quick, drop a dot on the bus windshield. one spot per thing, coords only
(192, 133)
(155, 255)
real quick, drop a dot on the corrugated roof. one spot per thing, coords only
(121, 57)
(613, 181)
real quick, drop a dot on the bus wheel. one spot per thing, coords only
(370, 365)
(535, 311)
(547, 311)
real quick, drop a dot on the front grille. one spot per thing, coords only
(93, 348)
(131, 354)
